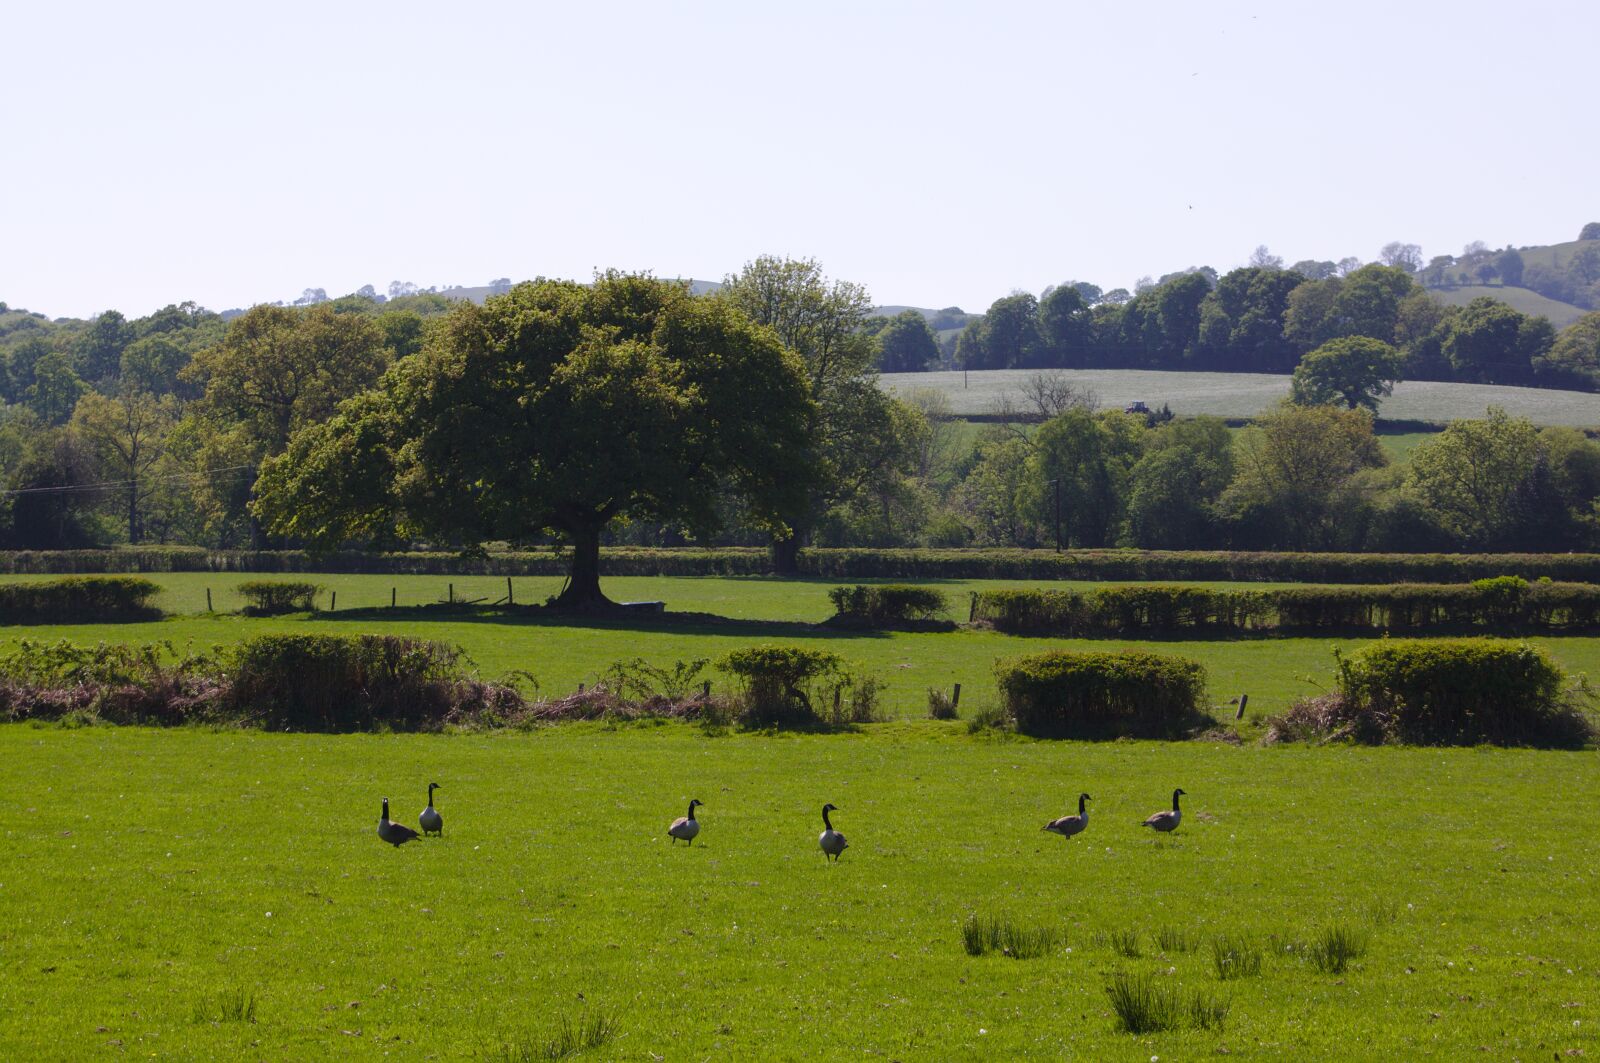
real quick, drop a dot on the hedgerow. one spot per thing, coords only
(1062, 694)
(79, 600)
(795, 686)
(1445, 692)
(1496, 605)
(888, 602)
(1100, 565)
(272, 597)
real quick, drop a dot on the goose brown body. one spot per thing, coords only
(430, 821)
(396, 834)
(831, 841)
(1168, 820)
(685, 827)
(1067, 826)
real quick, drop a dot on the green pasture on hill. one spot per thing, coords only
(1249, 394)
(205, 895)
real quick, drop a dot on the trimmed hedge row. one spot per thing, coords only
(79, 600)
(888, 602)
(1107, 565)
(1446, 692)
(1103, 695)
(1504, 603)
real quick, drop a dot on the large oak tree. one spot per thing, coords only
(558, 406)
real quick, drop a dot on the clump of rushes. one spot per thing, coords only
(1234, 956)
(1125, 942)
(1142, 1005)
(1176, 939)
(229, 1005)
(982, 934)
(1335, 946)
(589, 1031)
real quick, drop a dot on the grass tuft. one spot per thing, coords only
(1234, 956)
(1335, 946)
(1206, 1012)
(1140, 1004)
(591, 1030)
(1125, 942)
(1175, 939)
(982, 934)
(228, 1005)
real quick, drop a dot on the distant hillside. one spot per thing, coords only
(1529, 302)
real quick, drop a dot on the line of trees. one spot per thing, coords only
(1266, 319)
(614, 411)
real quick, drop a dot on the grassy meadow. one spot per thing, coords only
(191, 894)
(1248, 394)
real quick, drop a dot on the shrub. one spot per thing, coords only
(779, 682)
(888, 603)
(941, 705)
(109, 683)
(79, 600)
(270, 597)
(349, 682)
(1103, 695)
(1462, 692)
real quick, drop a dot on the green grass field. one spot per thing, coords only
(1248, 394)
(562, 653)
(195, 895)
(1525, 300)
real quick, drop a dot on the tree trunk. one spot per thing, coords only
(583, 581)
(785, 556)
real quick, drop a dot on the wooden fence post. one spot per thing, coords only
(955, 699)
(333, 602)
(1244, 699)
(208, 601)
(509, 600)
(392, 592)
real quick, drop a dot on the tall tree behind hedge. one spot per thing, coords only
(558, 406)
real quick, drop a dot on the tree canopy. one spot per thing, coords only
(1355, 371)
(557, 406)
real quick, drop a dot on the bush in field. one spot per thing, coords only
(270, 597)
(354, 682)
(888, 603)
(1463, 692)
(109, 683)
(1103, 695)
(792, 685)
(78, 600)
(1445, 692)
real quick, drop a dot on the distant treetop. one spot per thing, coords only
(1590, 231)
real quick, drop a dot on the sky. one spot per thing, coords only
(940, 154)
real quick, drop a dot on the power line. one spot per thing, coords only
(107, 485)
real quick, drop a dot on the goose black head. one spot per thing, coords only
(830, 808)
(1085, 797)
(695, 802)
(1184, 793)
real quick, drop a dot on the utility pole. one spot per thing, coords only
(1057, 485)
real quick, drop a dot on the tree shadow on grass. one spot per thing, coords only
(537, 616)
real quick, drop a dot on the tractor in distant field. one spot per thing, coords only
(1136, 406)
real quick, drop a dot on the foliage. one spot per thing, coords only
(1463, 692)
(557, 406)
(79, 600)
(906, 344)
(781, 685)
(1102, 695)
(888, 602)
(1355, 370)
(271, 597)
(1002, 934)
(352, 683)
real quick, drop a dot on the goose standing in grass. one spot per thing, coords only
(832, 841)
(432, 822)
(1167, 821)
(1067, 826)
(396, 834)
(686, 827)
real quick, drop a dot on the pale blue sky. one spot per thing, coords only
(937, 153)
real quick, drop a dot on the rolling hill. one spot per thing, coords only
(1524, 299)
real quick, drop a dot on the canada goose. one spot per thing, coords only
(432, 822)
(1168, 820)
(396, 834)
(686, 827)
(1067, 826)
(832, 841)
